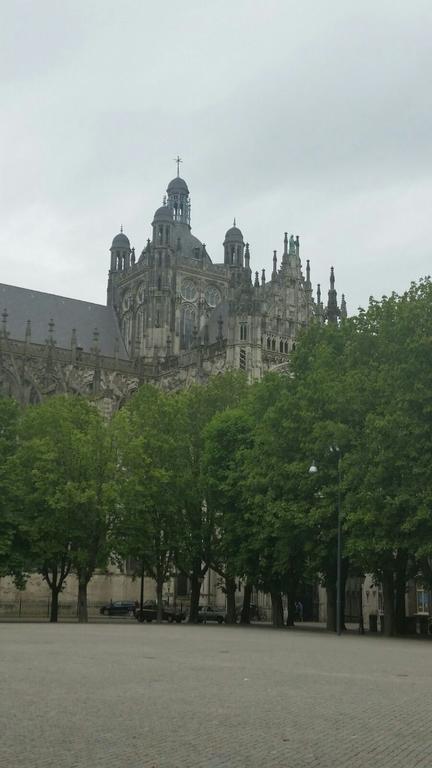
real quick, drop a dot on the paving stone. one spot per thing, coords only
(148, 696)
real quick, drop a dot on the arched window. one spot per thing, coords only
(187, 323)
(189, 290)
(138, 324)
(268, 342)
(281, 346)
(286, 347)
(273, 344)
(126, 331)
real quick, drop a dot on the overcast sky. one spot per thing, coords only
(310, 117)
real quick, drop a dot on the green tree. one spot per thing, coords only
(390, 472)
(228, 439)
(278, 493)
(200, 403)
(334, 393)
(62, 473)
(12, 546)
(153, 462)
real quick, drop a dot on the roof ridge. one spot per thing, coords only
(56, 295)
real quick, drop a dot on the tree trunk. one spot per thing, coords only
(388, 594)
(54, 605)
(194, 598)
(159, 588)
(82, 601)
(230, 588)
(55, 577)
(245, 612)
(291, 607)
(331, 607)
(277, 609)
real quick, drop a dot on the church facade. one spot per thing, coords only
(173, 316)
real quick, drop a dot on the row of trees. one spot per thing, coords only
(217, 476)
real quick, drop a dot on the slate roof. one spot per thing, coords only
(23, 304)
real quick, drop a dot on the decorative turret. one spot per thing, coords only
(162, 221)
(178, 198)
(274, 273)
(120, 252)
(285, 250)
(332, 305)
(308, 281)
(343, 309)
(233, 247)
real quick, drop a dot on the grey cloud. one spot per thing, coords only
(310, 117)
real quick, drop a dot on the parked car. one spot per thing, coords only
(254, 614)
(119, 608)
(149, 613)
(207, 613)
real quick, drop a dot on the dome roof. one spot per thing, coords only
(234, 233)
(178, 186)
(120, 241)
(164, 213)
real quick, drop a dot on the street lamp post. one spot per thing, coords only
(313, 469)
(339, 552)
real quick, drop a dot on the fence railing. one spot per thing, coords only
(41, 609)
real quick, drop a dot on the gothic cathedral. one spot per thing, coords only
(173, 316)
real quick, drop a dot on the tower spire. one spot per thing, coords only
(274, 273)
(178, 160)
(285, 250)
(308, 282)
(332, 306)
(343, 309)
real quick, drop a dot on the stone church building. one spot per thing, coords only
(173, 316)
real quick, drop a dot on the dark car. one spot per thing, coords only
(119, 608)
(149, 613)
(207, 613)
(254, 614)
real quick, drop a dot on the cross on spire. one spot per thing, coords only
(178, 160)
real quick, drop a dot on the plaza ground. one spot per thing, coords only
(146, 696)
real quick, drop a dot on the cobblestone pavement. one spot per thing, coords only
(148, 696)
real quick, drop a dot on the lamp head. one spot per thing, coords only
(313, 469)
